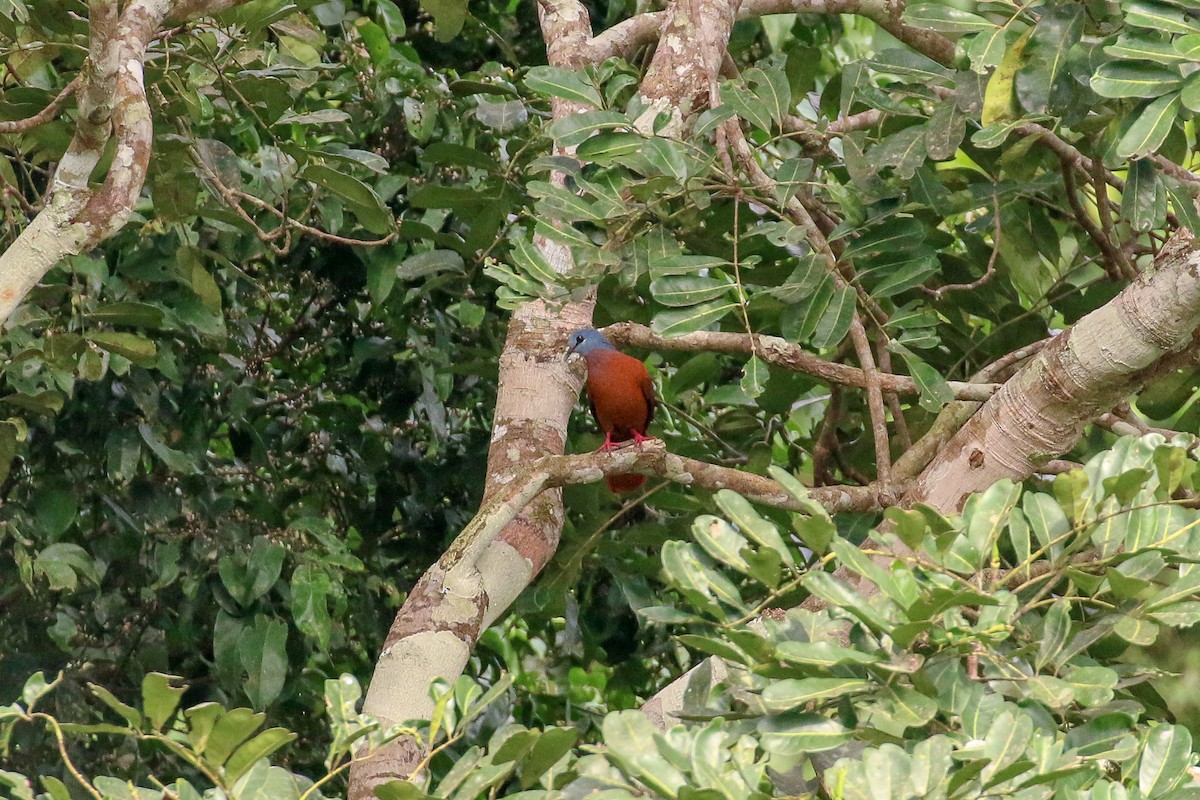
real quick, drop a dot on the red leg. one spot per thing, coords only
(608, 446)
(638, 438)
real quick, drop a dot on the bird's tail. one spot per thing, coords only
(624, 483)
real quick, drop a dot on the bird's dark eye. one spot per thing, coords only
(578, 340)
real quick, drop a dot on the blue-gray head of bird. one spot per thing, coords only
(587, 340)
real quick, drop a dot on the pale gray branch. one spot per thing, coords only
(781, 353)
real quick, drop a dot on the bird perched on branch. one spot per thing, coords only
(621, 396)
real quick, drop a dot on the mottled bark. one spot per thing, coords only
(626, 37)
(691, 47)
(1100, 360)
(112, 105)
(537, 392)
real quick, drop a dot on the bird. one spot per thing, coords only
(621, 396)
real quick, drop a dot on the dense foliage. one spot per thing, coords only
(993, 662)
(233, 437)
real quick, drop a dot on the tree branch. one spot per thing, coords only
(43, 116)
(112, 106)
(624, 38)
(781, 353)
(1085, 371)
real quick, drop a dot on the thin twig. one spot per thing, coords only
(1104, 212)
(883, 451)
(1112, 256)
(891, 398)
(939, 292)
(45, 115)
(781, 353)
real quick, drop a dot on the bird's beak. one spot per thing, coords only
(570, 352)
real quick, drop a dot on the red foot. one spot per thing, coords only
(639, 438)
(608, 446)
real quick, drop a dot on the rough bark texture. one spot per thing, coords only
(537, 392)
(691, 46)
(534, 399)
(626, 37)
(112, 105)
(1040, 413)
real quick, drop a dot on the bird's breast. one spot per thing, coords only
(614, 385)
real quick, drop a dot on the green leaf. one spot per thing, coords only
(1056, 627)
(563, 204)
(263, 649)
(1188, 46)
(311, 588)
(530, 260)
(575, 128)
(688, 320)
(935, 392)
(1134, 79)
(1150, 128)
(160, 698)
(1182, 203)
(687, 290)
(258, 748)
(765, 98)
(752, 525)
(249, 576)
(822, 654)
(754, 377)
(837, 593)
(401, 790)
(900, 708)
(685, 265)
(1101, 736)
(360, 197)
(835, 317)
(721, 541)
(794, 733)
(904, 151)
(910, 66)
(448, 16)
(454, 154)
(564, 83)
(1162, 17)
(136, 348)
(429, 262)
(945, 18)
(1190, 94)
(630, 738)
(551, 746)
(611, 147)
(127, 712)
(1144, 202)
(1093, 686)
(1134, 46)
(789, 693)
(791, 177)
(55, 511)
(1043, 82)
(140, 315)
(986, 49)
(897, 234)
(687, 569)
(771, 87)
(1006, 740)
(1166, 755)
(62, 563)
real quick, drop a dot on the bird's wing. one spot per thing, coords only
(647, 386)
